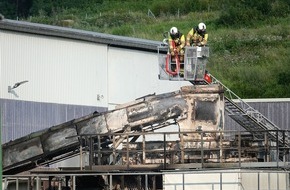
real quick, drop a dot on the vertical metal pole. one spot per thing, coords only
(111, 182)
(269, 181)
(287, 180)
(183, 182)
(99, 149)
(266, 158)
(258, 180)
(73, 182)
(28, 183)
(277, 148)
(60, 183)
(239, 147)
(164, 151)
(144, 148)
(81, 153)
(278, 181)
(284, 146)
(17, 184)
(90, 153)
(127, 153)
(202, 150)
(114, 150)
(146, 181)
(38, 183)
(182, 148)
(221, 147)
(221, 181)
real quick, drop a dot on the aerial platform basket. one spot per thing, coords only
(191, 67)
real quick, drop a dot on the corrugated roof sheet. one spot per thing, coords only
(112, 40)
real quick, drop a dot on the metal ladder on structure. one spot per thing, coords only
(250, 119)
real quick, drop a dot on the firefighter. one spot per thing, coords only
(197, 36)
(176, 42)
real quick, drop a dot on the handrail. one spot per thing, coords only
(247, 109)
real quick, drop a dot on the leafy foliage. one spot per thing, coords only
(249, 12)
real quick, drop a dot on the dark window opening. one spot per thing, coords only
(205, 110)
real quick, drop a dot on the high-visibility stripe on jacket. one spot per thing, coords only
(179, 42)
(194, 37)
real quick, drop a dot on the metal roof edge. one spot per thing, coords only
(58, 31)
(265, 100)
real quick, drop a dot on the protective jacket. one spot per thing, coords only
(176, 42)
(196, 37)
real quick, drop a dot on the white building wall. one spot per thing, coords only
(59, 70)
(265, 181)
(133, 74)
(75, 72)
(202, 181)
(227, 180)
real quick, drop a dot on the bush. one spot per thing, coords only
(123, 31)
(280, 9)
(239, 17)
(8, 9)
(249, 12)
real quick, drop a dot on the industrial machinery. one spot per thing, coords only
(191, 107)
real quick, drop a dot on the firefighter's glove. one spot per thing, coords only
(172, 53)
(203, 43)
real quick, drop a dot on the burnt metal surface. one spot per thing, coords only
(150, 111)
(22, 151)
(212, 149)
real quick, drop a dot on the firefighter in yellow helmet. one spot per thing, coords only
(176, 42)
(197, 36)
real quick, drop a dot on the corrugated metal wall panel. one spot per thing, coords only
(58, 70)
(277, 111)
(20, 118)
